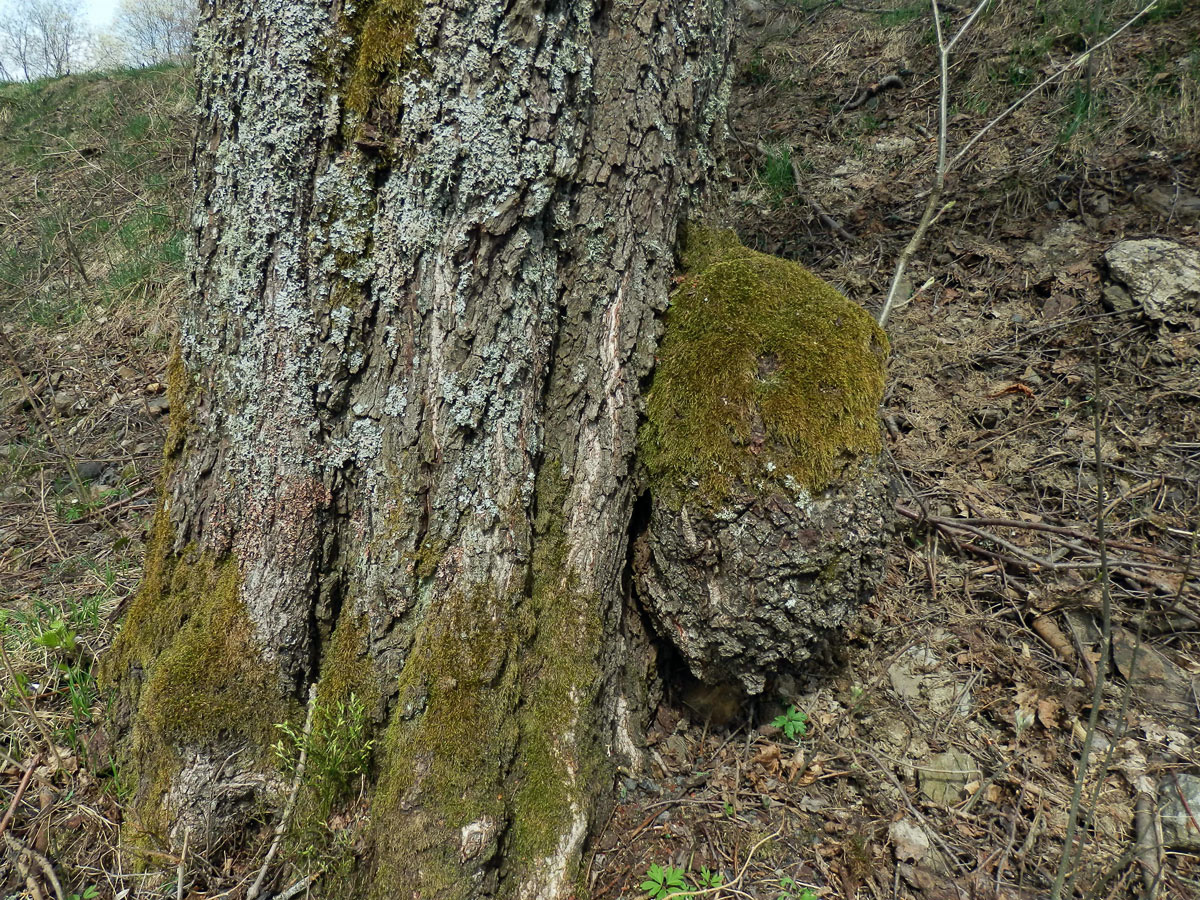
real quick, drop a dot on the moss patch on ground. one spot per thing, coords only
(765, 371)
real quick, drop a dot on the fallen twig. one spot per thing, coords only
(733, 884)
(826, 219)
(863, 94)
(299, 887)
(1034, 564)
(43, 863)
(285, 817)
(1146, 841)
(16, 800)
(1065, 859)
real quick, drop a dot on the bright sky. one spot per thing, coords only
(99, 13)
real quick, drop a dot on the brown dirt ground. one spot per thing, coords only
(982, 643)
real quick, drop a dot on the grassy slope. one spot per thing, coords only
(93, 183)
(94, 167)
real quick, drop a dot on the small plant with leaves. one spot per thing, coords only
(789, 890)
(709, 879)
(777, 176)
(337, 748)
(793, 722)
(663, 881)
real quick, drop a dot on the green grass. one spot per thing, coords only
(101, 151)
(776, 174)
(902, 15)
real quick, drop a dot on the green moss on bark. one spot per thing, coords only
(346, 667)
(186, 667)
(384, 31)
(449, 745)
(495, 729)
(765, 372)
(179, 398)
(561, 756)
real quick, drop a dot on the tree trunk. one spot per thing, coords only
(431, 246)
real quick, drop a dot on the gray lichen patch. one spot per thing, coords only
(765, 372)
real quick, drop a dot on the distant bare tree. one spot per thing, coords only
(155, 31)
(39, 38)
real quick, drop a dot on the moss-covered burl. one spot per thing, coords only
(768, 508)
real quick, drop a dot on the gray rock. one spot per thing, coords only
(1155, 680)
(1179, 810)
(89, 469)
(1161, 277)
(754, 13)
(66, 402)
(945, 776)
(918, 674)
(910, 843)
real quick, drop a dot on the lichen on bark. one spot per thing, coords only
(430, 246)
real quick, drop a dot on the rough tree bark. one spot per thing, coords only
(431, 247)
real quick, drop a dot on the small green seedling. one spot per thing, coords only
(57, 636)
(660, 882)
(709, 879)
(787, 885)
(793, 722)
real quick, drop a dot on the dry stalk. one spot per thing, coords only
(943, 166)
(41, 726)
(27, 852)
(931, 213)
(285, 817)
(734, 883)
(1147, 841)
(16, 800)
(1064, 861)
(179, 870)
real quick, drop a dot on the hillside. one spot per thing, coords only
(93, 184)
(935, 754)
